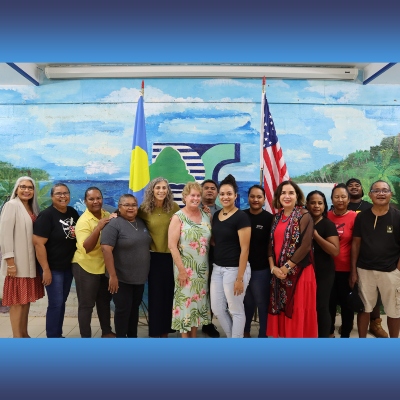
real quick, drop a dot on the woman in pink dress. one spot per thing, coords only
(292, 305)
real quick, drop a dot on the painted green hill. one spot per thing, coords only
(380, 162)
(169, 165)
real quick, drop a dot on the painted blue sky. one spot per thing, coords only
(83, 129)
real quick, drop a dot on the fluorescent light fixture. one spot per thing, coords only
(198, 71)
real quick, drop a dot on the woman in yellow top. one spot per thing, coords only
(157, 209)
(88, 266)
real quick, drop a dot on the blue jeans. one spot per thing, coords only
(257, 295)
(57, 293)
(228, 308)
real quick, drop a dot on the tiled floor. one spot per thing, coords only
(71, 328)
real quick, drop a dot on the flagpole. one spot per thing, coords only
(142, 90)
(262, 132)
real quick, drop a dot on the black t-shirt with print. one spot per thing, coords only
(260, 235)
(380, 240)
(323, 261)
(59, 229)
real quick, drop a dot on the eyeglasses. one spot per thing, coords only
(23, 187)
(377, 191)
(60, 194)
(129, 205)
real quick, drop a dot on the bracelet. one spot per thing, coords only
(272, 269)
(239, 280)
(10, 266)
(288, 267)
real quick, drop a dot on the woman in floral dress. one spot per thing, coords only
(188, 240)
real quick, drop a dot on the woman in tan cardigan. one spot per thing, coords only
(22, 284)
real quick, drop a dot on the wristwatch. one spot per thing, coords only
(288, 267)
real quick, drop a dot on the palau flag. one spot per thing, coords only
(139, 176)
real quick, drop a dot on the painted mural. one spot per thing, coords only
(81, 131)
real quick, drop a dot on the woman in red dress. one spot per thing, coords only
(22, 284)
(293, 286)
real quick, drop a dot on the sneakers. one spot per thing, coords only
(246, 335)
(375, 328)
(210, 330)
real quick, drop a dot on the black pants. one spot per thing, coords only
(325, 277)
(126, 315)
(339, 294)
(161, 294)
(92, 289)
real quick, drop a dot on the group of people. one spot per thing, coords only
(201, 260)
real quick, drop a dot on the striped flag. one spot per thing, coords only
(273, 165)
(139, 175)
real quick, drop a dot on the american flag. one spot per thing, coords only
(273, 165)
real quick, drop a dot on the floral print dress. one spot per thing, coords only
(191, 307)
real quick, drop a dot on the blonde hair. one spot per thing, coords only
(188, 188)
(33, 201)
(148, 205)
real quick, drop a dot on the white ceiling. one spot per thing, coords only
(371, 73)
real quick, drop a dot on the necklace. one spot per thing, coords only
(226, 213)
(133, 226)
(340, 215)
(287, 218)
(359, 205)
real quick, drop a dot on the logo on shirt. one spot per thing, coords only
(389, 229)
(68, 228)
(340, 229)
(259, 227)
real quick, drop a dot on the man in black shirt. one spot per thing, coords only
(357, 204)
(375, 258)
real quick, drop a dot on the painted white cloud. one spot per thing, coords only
(296, 155)
(230, 82)
(203, 125)
(340, 92)
(97, 167)
(78, 150)
(352, 131)
(26, 92)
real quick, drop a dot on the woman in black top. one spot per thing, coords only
(326, 245)
(231, 231)
(55, 245)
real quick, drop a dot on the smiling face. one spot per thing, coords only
(60, 197)
(316, 206)
(160, 191)
(128, 208)
(380, 194)
(25, 190)
(227, 196)
(355, 190)
(94, 201)
(340, 200)
(256, 200)
(288, 197)
(193, 199)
